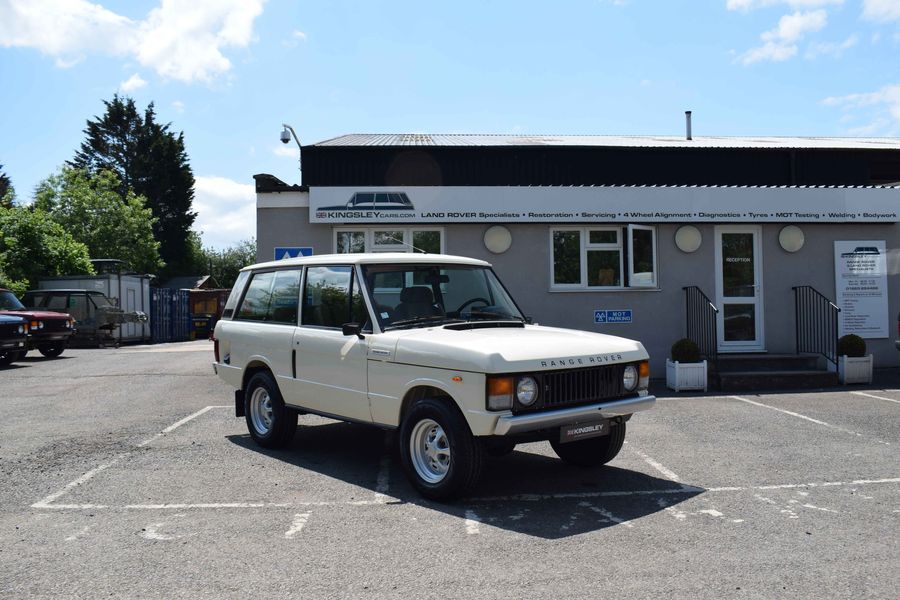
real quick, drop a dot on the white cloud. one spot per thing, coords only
(226, 210)
(135, 82)
(748, 5)
(880, 108)
(882, 11)
(178, 105)
(299, 35)
(781, 43)
(835, 49)
(289, 150)
(179, 39)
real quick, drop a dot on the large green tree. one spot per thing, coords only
(89, 207)
(32, 245)
(7, 192)
(151, 160)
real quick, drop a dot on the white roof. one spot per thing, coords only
(371, 257)
(628, 141)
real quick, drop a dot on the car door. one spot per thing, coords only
(331, 367)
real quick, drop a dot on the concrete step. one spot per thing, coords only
(729, 363)
(734, 381)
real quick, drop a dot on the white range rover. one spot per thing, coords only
(430, 345)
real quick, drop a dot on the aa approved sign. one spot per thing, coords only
(612, 316)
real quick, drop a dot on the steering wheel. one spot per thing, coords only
(471, 301)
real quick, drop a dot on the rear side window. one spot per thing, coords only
(332, 297)
(235, 294)
(272, 297)
(58, 301)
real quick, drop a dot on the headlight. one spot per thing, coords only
(630, 378)
(21, 329)
(40, 324)
(526, 391)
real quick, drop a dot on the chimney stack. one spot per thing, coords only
(687, 122)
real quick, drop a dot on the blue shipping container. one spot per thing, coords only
(170, 317)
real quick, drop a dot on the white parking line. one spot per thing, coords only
(45, 502)
(607, 516)
(297, 525)
(669, 474)
(876, 397)
(805, 418)
(473, 523)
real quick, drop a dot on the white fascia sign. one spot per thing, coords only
(602, 204)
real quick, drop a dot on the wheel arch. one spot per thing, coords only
(421, 390)
(253, 367)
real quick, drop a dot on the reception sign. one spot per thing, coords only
(606, 204)
(860, 275)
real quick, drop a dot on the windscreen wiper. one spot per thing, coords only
(431, 320)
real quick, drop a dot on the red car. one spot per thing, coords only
(48, 332)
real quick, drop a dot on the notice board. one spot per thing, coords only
(860, 279)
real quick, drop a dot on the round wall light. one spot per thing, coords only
(688, 238)
(791, 238)
(497, 239)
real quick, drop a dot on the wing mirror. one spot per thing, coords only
(352, 329)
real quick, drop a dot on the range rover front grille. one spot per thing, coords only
(571, 387)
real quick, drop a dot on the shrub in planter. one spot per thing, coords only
(686, 351)
(686, 371)
(851, 345)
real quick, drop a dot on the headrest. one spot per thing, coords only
(417, 295)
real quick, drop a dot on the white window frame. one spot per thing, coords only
(369, 231)
(625, 271)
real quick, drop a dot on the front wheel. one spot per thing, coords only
(51, 351)
(7, 358)
(441, 457)
(592, 452)
(270, 422)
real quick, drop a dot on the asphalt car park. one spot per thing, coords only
(126, 474)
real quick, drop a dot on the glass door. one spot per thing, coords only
(739, 288)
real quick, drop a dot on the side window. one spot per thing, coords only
(235, 294)
(58, 301)
(326, 298)
(78, 307)
(285, 297)
(255, 306)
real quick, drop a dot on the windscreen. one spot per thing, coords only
(425, 295)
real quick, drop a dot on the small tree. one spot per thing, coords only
(90, 209)
(225, 264)
(7, 192)
(32, 246)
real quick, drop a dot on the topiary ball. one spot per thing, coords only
(851, 345)
(685, 350)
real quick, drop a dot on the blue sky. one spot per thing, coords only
(228, 72)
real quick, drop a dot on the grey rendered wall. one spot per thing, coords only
(658, 315)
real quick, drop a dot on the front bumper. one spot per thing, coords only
(14, 344)
(49, 339)
(513, 424)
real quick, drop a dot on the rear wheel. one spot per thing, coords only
(271, 424)
(592, 452)
(441, 457)
(51, 351)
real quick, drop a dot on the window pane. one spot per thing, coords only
(351, 242)
(603, 268)
(326, 301)
(285, 297)
(255, 306)
(739, 322)
(235, 294)
(429, 241)
(566, 257)
(642, 257)
(389, 238)
(359, 314)
(603, 236)
(60, 301)
(737, 265)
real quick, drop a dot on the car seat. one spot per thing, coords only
(416, 301)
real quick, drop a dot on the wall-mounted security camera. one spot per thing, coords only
(285, 136)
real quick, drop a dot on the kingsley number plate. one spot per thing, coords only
(580, 431)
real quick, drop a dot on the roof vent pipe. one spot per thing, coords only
(687, 124)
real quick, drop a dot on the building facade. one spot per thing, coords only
(633, 236)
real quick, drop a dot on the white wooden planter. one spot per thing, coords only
(853, 369)
(685, 376)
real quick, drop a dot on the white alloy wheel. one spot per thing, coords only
(429, 449)
(261, 413)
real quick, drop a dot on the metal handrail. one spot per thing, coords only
(701, 322)
(815, 322)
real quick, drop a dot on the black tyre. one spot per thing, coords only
(592, 452)
(270, 422)
(51, 351)
(441, 457)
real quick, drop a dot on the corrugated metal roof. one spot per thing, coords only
(619, 141)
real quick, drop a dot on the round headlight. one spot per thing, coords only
(21, 329)
(40, 324)
(526, 391)
(630, 378)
